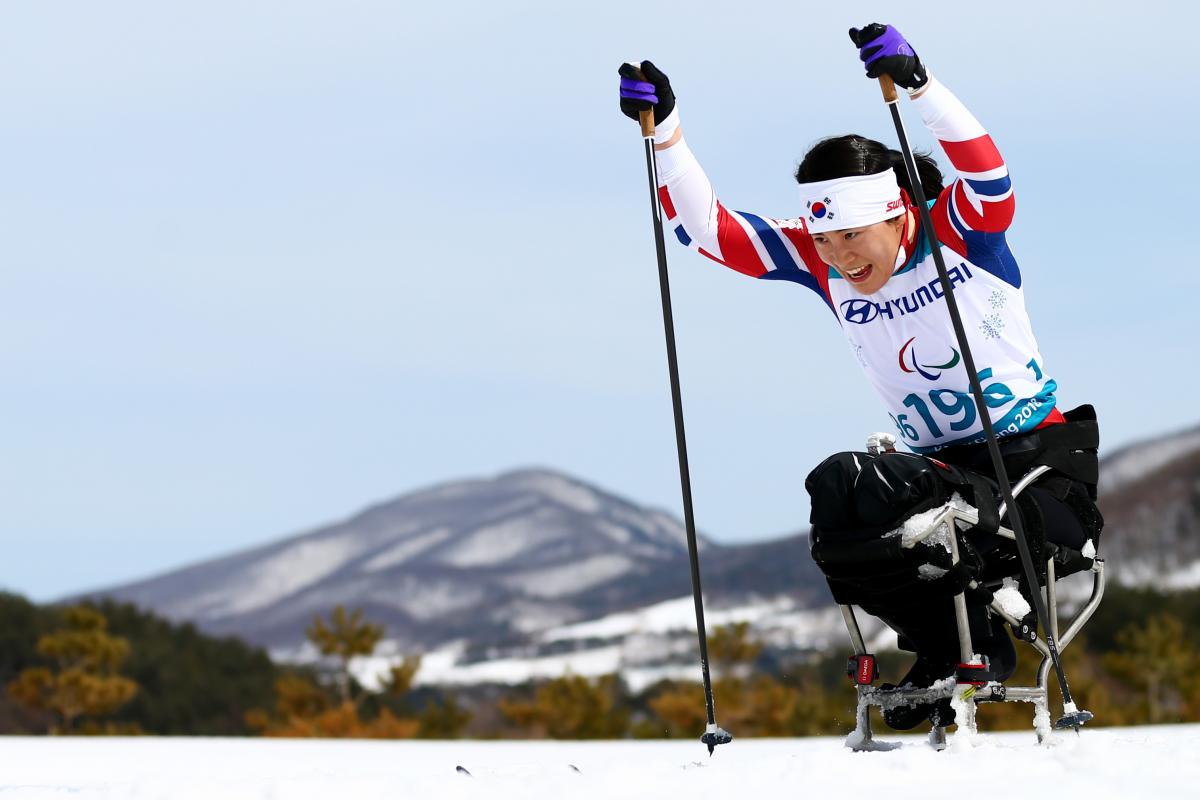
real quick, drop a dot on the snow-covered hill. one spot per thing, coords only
(533, 572)
(485, 563)
(1150, 497)
(1137, 461)
(1099, 764)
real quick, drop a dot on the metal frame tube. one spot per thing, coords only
(856, 637)
(966, 650)
(1037, 695)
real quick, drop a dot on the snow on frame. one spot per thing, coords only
(1098, 764)
(1010, 599)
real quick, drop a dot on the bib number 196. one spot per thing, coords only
(956, 408)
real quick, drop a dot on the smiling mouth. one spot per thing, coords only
(858, 275)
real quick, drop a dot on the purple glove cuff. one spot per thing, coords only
(890, 43)
(638, 90)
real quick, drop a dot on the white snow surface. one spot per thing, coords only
(1098, 764)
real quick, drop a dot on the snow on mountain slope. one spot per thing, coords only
(645, 645)
(279, 575)
(504, 541)
(567, 579)
(559, 489)
(405, 549)
(1150, 498)
(1135, 461)
(1098, 764)
(485, 559)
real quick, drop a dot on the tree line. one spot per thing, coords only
(111, 668)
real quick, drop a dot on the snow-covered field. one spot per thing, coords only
(1100, 763)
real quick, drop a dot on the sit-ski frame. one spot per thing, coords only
(972, 693)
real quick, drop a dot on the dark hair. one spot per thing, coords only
(843, 156)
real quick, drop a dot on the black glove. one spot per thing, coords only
(634, 100)
(886, 52)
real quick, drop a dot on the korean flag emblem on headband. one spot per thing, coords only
(851, 202)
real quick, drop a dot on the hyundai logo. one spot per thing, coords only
(859, 311)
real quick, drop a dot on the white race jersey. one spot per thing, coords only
(902, 335)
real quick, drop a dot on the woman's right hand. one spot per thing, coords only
(650, 89)
(885, 51)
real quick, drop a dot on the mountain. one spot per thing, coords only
(486, 561)
(533, 572)
(1150, 498)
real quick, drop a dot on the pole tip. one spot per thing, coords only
(714, 736)
(1073, 720)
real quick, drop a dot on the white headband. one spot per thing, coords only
(851, 202)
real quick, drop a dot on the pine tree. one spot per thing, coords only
(443, 719)
(305, 708)
(346, 637)
(1157, 657)
(83, 679)
(400, 678)
(731, 650)
(573, 707)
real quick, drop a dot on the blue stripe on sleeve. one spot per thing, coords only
(963, 230)
(771, 241)
(988, 250)
(990, 188)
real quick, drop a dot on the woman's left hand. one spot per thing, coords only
(885, 51)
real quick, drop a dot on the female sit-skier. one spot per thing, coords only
(857, 243)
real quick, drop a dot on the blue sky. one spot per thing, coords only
(264, 263)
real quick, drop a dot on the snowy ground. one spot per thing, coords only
(1101, 763)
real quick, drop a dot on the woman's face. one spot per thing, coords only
(865, 257)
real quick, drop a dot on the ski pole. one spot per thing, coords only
(713, 734)
(1072, 716)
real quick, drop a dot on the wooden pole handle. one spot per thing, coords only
(646, 118)
(889, 88)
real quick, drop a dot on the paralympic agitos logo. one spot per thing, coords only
(910, 364)
(860, 310)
